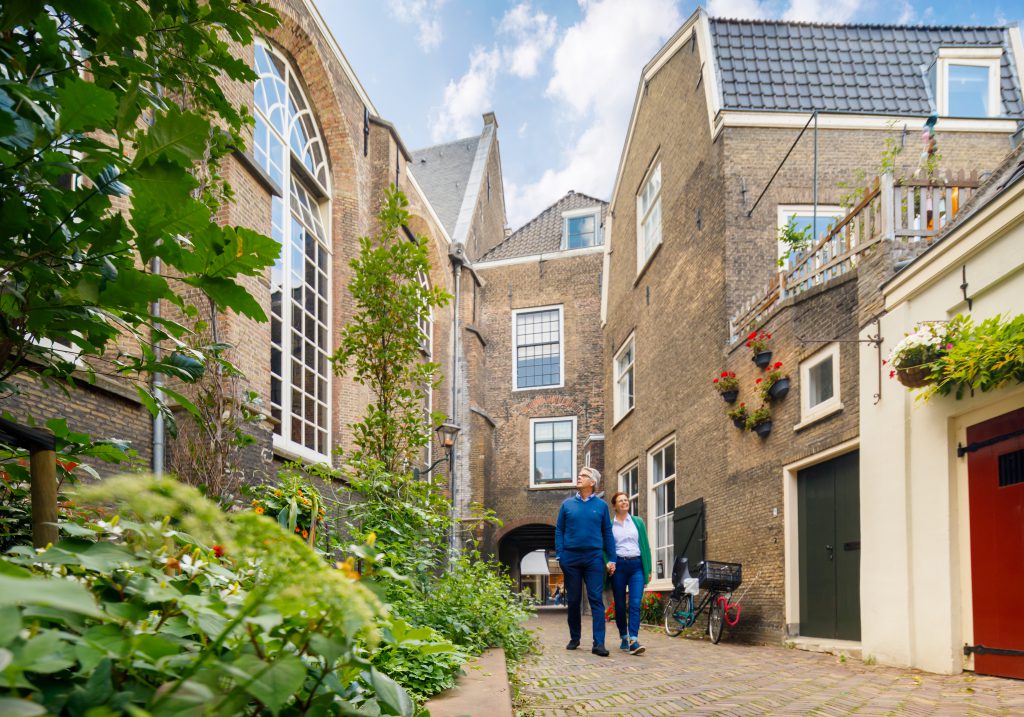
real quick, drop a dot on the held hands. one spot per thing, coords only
(611, 567)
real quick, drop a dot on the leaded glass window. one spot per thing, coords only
(538, 347)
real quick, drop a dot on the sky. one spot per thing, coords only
(560, 75)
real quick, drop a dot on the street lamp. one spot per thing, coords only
(446, 433)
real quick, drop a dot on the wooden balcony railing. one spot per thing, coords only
(911, 213)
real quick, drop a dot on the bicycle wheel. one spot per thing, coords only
(716, 620)
(678, 612)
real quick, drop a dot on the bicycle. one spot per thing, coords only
(718, 580)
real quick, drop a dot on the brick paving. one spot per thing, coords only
(681, 676)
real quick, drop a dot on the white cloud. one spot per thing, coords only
(426, 15)
(521, 132)
(822, 10)
(906, 14)
(739, 9)
(533, 34)
(468, 97)
(597, 67)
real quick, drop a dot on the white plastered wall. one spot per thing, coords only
(915, 569)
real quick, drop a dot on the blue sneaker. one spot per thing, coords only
(625, 644)
(635, 648)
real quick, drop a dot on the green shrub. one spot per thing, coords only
(419, 659)
(173, 607)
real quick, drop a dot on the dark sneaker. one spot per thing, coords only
(573, 644)
(599, 650)
(624, 645)
(635, 648)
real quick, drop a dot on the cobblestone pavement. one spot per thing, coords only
(680, 676)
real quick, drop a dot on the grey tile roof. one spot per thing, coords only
(786, 66)
(442, 171)
(543, 233)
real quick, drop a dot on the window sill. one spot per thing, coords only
(662, 585)
(295, 452)
(643, 269)
(624, 416)
(538, 388)
(817, 416)
(553, 486)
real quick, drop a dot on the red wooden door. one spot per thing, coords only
(996, 494)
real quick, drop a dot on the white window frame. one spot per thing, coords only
(652, 528)
(634, 466)
(785, 211)
(426, 323)
(561, 347)
(576, 214)
(642, 259)
(282, 442)
(619, 410)
(575, 437)
(809, 414)
(989, 57)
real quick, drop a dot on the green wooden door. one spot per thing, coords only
(828, 505)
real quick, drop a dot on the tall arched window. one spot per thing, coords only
(287, 144)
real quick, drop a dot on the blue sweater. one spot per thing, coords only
(583, 525)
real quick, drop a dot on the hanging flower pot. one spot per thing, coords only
(915, 376)
(779, 389)
(759, 344)
(739, 416)
(727, 386)
(760, 421)
(763, 429)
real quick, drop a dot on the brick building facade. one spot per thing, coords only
(539, 323)
(717, 111)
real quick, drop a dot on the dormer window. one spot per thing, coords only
(581, 228)
(968, 82)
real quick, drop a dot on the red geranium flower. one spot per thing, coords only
(757, 381)
(714, 380)
(218, 550)
(778, 364)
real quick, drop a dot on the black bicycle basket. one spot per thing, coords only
(723, 577)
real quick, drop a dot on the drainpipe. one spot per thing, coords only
(457, 256)
(158, 382)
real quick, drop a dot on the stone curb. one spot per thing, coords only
(482, 691)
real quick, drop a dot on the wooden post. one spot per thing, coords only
(43, 471)
(43, 468)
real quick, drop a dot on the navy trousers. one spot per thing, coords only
(581, 568)
(628, 574)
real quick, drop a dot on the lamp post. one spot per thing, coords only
(446, 433)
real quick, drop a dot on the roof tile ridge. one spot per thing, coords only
(446, 144)
(857, 25)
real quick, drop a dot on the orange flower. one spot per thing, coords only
(305, 533)
(259, 510)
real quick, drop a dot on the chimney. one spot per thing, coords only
(489, 118)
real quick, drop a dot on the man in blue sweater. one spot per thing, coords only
(583, 536)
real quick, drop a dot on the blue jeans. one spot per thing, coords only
(579, 568)
(628, 574)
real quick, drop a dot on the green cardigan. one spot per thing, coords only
(645, 547)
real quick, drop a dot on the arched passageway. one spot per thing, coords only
(528, 553)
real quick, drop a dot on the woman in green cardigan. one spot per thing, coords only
(632, 571)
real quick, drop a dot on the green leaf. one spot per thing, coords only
(20, 708)
(84, 106)
(394, 699)
(94, 13)
(273, 684)
(48, 592)
(45, 653)
(10, 624)
(179, 136)
(229, 295)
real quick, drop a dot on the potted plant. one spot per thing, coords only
(739, 416)
(758, 343)
(760, 421)
(727, 386)
(914, 357)
(774, 385)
